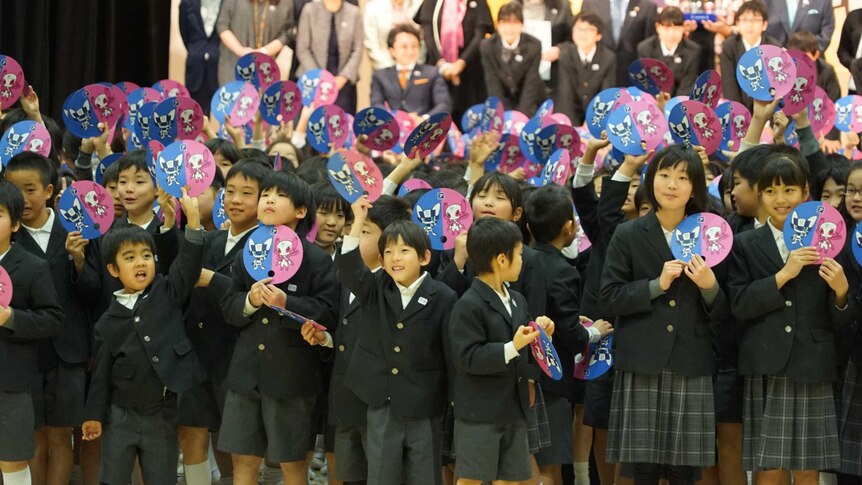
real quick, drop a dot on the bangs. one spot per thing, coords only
(781, 170)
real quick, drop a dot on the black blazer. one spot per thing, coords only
(142, 353)
(213, 338)
(579, 84)
(517, 83)
(637, 26)
(345, 407)
(731, 50)
(850, 35)
(76, 293)
(815, 16)
(426, 91)
(671, 331)
(684, 63)
(791, 330)
(563, 283)
(487, 389)
(400, 356)
(36, 314)
(270, 353)
(203, 50)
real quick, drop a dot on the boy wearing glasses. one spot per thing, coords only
(749, 31)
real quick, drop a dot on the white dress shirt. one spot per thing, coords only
(42, 235)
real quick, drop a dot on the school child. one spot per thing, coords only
(662, 416)
(830, 183)
(225, 153)
(274, 379)
(62, 359)
(110, 179)
(143, 357)
(33, 314)
(347, 413)
(670, 46)
(751, 19)
(551, 221)
(200, 409)
(333, 213)
(206, 201)
(494, 375)
(790, 308)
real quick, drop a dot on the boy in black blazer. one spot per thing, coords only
(275, 378)
(347, 412)
(670, 46)
(143, 357)
(489, 332)
(33, 314)
(586, 67)
(752, 19)
(510, 60)
(399, 366)
(62, 359)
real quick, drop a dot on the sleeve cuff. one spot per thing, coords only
(298, 140)
(249, 309)
(510, 351)
(709, 295)
(655, 290)
(619, 177)
(328, 342)
(349, 243)
(595, 335)
(389, 187)
(195, 236)
(583, 175)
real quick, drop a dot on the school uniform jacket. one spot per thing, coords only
(684, 62)
(270, 353)
(637, 26)
(487, 388)
(517, 82)
(345, 407)
(76, 293)
(36, 314)
(731, 51)
(400, 357)
(580, 83)
(789, 330)
(426, 91)
(142, 353)
(851, 33)
(212, 337)
(671, 331)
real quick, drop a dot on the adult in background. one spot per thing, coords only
(246, 26)
(631, 21)
(379, 18)
(197, 28)
(789, 16)
(849, 46)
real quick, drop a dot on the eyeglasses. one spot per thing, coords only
(750, 21)
(850, 193)
(586, 30)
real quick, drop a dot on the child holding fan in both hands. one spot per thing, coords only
(662, 417)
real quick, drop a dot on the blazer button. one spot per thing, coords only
(261, 347)
(672, 303)
(586, 84)
(137, 319)
(788, 303)
(394, 371)
(397, 349)
(264, 321)
(146, 338)
(341, 348)
(200, 324)
(788, 329)
(155, 360)
(206, 56)
(670, 328)
(520, 379)
(399, 326)
(344, 322)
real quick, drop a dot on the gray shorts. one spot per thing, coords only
(150, 436)
(491, 452)
(256, 425)
(16, 426)
(403, 450)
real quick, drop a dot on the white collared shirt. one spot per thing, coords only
(145, 225)
(747, 46)
(407, 292)
(778, 235)
(42, 235)
(408, 68)
(666, 51)
(233, 240)
(586, 57)
(513, 46)
(5, 253)
(128, 300)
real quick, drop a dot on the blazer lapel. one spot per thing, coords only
(420, 300)
(57, 241)
(27, 242)
(12, 259)
(780, 7)
(655, 238)
(767, 246)
(493, 299)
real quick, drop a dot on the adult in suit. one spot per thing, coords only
(418, 89)
(789, 16)
(510, 59)
(197, 28)
(631, 21)
(239, 28)
(751, 24)
(379, 18)
(848, 47)
(586, 67)
(671, 47)
(453, 30)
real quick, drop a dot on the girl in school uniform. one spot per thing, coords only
(790, 308)
(662, 418)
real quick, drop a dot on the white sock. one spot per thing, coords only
(18, 478)
(582, 473)
(199, 474)
(272, 476)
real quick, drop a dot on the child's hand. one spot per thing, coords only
(272, 295)
(700, 273)
(168, 206)
(91, 430)
(255, 293)
(205, 278)
(460, 256)
(701, 152)
(669, 272)
(30, 104)
(75, 246)
(483, 147)
(359, 143)
(802, 120)
(779, 126)
(798, 259)
(360, 210)
(547, 325)
(101, 143)
(5, 315)
(661, 100)
(593, 147)
(523, 336)
(763, 110)
(312, 335)
(190, 209)
(632, 164)
(518, 174)
(604, 327)
(833, 274)
(409, 164)
(235, 132)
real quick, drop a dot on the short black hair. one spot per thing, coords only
(112, 174)
(748, 164)
(779, 168)
(313, 169)
(506, 183)
(256, 154)
(121, 235)
(218, 181)
(591, 18)
(227, 149)
(641, 198)
(669, 157)
(71, 145)
(512, 10)
(300, 195)
(488, 238)
(135, 159)
(804, 41)
(37, 163)
(410, 233)
(670, 16)
(547, 210)
(387, 210)
(251, 170)
(328, 199)
(12, 199)
(402, 29)
(755, 7)
(838, 173)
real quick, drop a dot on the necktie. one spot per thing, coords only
(507, 54)
(792, 6)
(402, 78)
(332, 60)
(618, 16)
